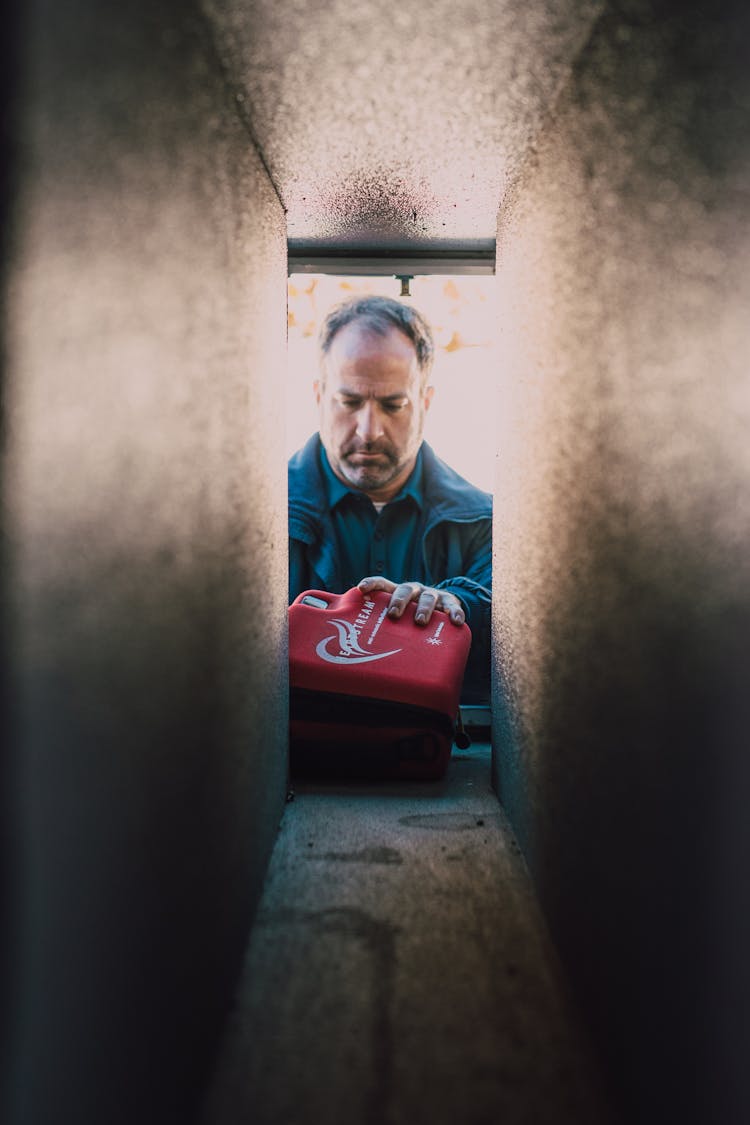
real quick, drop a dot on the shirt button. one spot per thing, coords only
(380, 564)
(378, 536)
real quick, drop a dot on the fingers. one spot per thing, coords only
(426, 603)
(376, 582)
(427, 599)
(409, 592)
(452, 606)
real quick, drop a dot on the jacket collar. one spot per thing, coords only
(447, 495)
(336, 490)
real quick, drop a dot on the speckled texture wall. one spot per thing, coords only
(145, 514)
(622, 566)
(396, 124)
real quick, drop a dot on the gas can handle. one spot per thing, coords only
(313, 600)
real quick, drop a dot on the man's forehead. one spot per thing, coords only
(358, 339)
(363, 386)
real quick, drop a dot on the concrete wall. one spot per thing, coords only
(623, 570)
(144, 509)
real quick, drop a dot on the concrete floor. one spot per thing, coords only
(399, 970)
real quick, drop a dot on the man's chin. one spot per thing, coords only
(369, 475)
(368, 480)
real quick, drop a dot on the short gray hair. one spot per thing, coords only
(379, 315)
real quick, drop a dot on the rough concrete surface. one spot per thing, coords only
(141, 516)
(144, 541)
(622, 593)
(399, 970)
(396, 124)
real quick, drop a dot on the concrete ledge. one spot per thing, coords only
(399, 970)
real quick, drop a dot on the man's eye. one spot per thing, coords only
(394, 407)
(351, 403)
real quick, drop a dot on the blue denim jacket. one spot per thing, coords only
(456, 551)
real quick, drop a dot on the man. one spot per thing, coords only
(370, 504)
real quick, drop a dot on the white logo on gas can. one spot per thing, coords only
(350, 650)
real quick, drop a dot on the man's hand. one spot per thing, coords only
(426, 597)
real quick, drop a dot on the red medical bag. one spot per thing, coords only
(370, 695)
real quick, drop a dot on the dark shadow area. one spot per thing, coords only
(149, 736)
(621, 705)
(648, 919)
(9, 160)
(462, 763)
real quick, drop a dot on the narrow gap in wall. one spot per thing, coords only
(461, 422)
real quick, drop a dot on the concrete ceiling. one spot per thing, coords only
(396, 124)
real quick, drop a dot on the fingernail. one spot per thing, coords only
(420, 618)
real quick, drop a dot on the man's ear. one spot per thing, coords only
(428, 393)
(317, 390)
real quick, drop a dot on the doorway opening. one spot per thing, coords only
(461, 310)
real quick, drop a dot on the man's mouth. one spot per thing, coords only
(366, 454)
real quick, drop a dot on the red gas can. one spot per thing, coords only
(372, 696)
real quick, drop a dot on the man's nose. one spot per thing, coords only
(369, 422)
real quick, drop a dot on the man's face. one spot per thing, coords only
(372, 409)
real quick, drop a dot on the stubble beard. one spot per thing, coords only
(371, 478)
